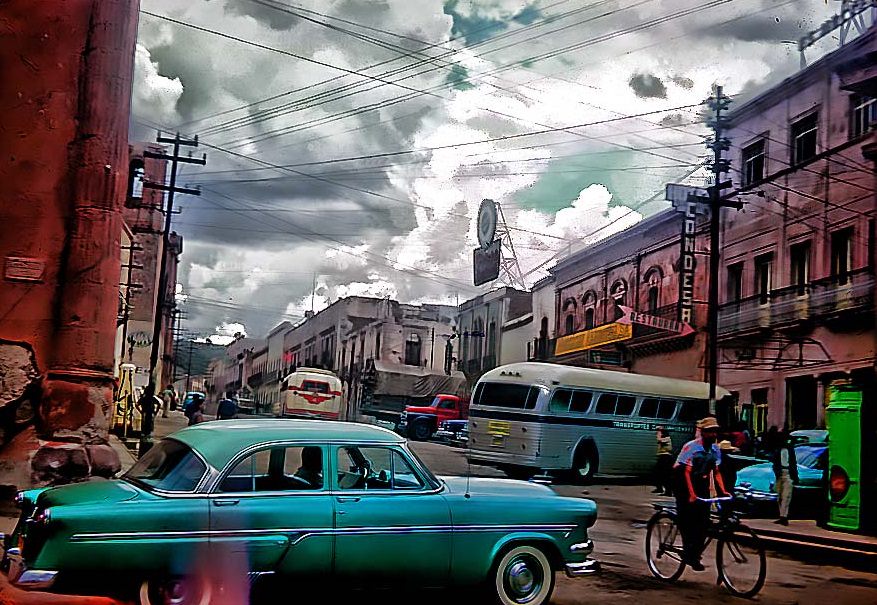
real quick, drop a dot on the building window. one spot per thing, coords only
(477, 339)
(800, 266)
(378, 345)
(841, 254)
(569, 325)
(804, 134)
(618, 293)
(763, 265)
(589, 301)
(735, 282)
(135, 179)
(753, 163)
(863, 113)
(412, 350)
(653, 296)
(491, 338)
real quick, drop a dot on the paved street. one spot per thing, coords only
(620, 544)
(619, 536)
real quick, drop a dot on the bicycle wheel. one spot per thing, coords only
(741, 561)
(664, 547)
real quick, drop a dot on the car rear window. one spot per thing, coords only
(507, 395)
(169, 466)
(315, 386)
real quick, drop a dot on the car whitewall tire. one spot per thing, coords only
(523, 576)
(195, 591)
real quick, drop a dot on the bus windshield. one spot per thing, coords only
(507, 395)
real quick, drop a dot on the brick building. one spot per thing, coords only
(798, 262)
(65, 98)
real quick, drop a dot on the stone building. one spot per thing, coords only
(493, 329)
(65, 98)
(798, 262)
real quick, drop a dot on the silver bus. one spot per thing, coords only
(531, 417)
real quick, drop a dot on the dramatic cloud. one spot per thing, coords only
(352, 158)
(648, 86)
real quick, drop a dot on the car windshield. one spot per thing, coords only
(809, 456)
(169, 466)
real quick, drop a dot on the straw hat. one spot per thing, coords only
(726, 446)
(708, 423)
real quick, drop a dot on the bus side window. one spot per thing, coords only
(666, 409)
(532, 398)
(625, 405)
(649, 408)
(693, 410)
(559, 400)
(606, 403)
(581, 401)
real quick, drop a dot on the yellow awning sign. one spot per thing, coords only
(589, 339)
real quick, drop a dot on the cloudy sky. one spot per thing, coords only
(350, 142)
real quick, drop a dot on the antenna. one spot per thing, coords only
(509, 269)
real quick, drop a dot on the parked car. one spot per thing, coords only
(308, 500)
(421, 422)
(808, 495)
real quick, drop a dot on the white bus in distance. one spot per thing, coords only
(310, 393)
(527, 418)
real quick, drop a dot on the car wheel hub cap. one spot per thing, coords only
(523, 582)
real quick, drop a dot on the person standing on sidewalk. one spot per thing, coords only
(664, 463)
(698, 462)
(227, 409)
(785, 469)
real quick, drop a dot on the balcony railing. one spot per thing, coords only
(819, 299)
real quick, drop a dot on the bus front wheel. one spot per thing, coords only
(584, 465)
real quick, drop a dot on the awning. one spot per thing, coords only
(412, 381)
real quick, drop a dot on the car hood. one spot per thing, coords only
(493, 487)
(92, 492)
(419, 410)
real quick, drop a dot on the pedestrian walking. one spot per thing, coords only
(728, 467)
(696, 469)
(167, 400)
(664, 463)
(148, 405)
(227, 409)
(196, 415)
(785, 470)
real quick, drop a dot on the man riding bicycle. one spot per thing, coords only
(697, 462)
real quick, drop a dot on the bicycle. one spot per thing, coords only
(740, 559)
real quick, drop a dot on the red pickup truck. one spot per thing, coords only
(421, 422)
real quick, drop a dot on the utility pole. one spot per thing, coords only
(189, 366)
(718, 144)
(171, 189)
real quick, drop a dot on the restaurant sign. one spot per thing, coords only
(589, 339)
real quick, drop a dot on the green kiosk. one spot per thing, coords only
(843, 418)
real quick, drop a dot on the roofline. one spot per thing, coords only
(778, 92)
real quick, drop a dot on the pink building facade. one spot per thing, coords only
(797, 263)
(638, 268)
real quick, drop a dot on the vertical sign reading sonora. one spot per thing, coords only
(686, 263)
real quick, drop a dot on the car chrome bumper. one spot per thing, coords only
(22, 577)
(585, 568)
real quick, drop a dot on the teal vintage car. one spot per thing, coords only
(298, 499)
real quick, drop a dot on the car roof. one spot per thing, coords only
(219, 441)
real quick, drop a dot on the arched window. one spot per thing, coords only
(569, 325)
(491, 338)
(589, 302)
(412, 350)
(135, 178)
(543, 329)
(618, 292)
(653, 279)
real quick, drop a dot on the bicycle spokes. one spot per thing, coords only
(742, 563)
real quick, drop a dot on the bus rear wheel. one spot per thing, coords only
(584, 465)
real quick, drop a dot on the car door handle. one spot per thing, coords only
(349, 499)
(219, 502)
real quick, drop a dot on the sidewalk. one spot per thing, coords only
(806, 535)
